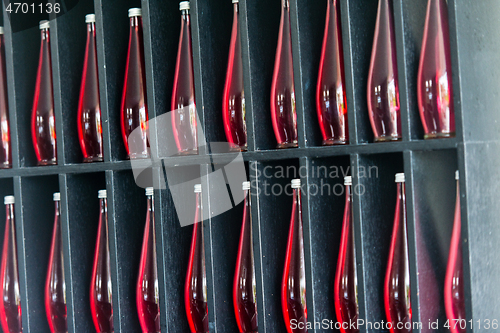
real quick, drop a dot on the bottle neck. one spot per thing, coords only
(151, 206)
(348, 193)
(236, 8)
(45, 35)
(91, 27)
(401, 192)
(285, 4)
(185, 14)
(103, 204)
(9, 212)
(57, 208)
(136, 21)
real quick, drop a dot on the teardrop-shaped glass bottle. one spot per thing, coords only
(101, 301)
(245, 284)
(383, 87)
(346, 282)
(55, 283)
(454, 298)
(147, 289)
(293, 285)
(233, 101)
(134, 108)
(397, 279)
(184, 118)
(283, 111)
(195, 289)
(5, 145)
(89, 105)
(10, 303)
(434, 81)
(331, 103)
(43, 121)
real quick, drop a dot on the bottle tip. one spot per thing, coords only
(134, 12)
(9, 200)
(400, 177)
(102, 194)
(149, 191)
(457, 175)
(197, 188)
(236, 1)
(90, 18)
(56, 196)
(245, 186)
(184, 5)
(347, 180)
(1, 30)
(44, 24)
(296, 183)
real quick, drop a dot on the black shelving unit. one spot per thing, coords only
(429, 165)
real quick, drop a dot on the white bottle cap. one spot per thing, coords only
(400, 178)
(245, 186)
(102, 194)
(44, 24)
(1, 30)
(197, 188)
(134, 12)
(184, 5)
(56, 196)
(457, 175)
(347, 180)
(149, 191)
(296, 183)
(90, 18)
(236, 1)
(9, 200)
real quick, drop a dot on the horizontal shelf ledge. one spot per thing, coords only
(222, 158)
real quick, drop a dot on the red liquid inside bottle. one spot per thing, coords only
(10, 304)
(55, 285)
(184, 118)
(346, 283)
(43, 122)
(330, 90)
(434, 85)
(245, 285)
(134, 108)
(147, 289)
(293, 285)
(101, 302)
(195, 289)
(383, 87)
(454, 298)
(5, 146)
(89, 105)
(397, 279)
(283, 111)
(233, 104)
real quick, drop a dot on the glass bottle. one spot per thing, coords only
(383, 87)
(5, 145)
(101, 301)
(184, 118)
(55, 284)
(293, 285)
(434, 81)
(330, 90)
(89, 105)
(195, 289)
(245, 284)
(397, 279)
(346, 282)
(10, 304)
(147, 289)
(43, 122)
(454, 298)
(233, 101)
(283, 111)
(134, 108)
